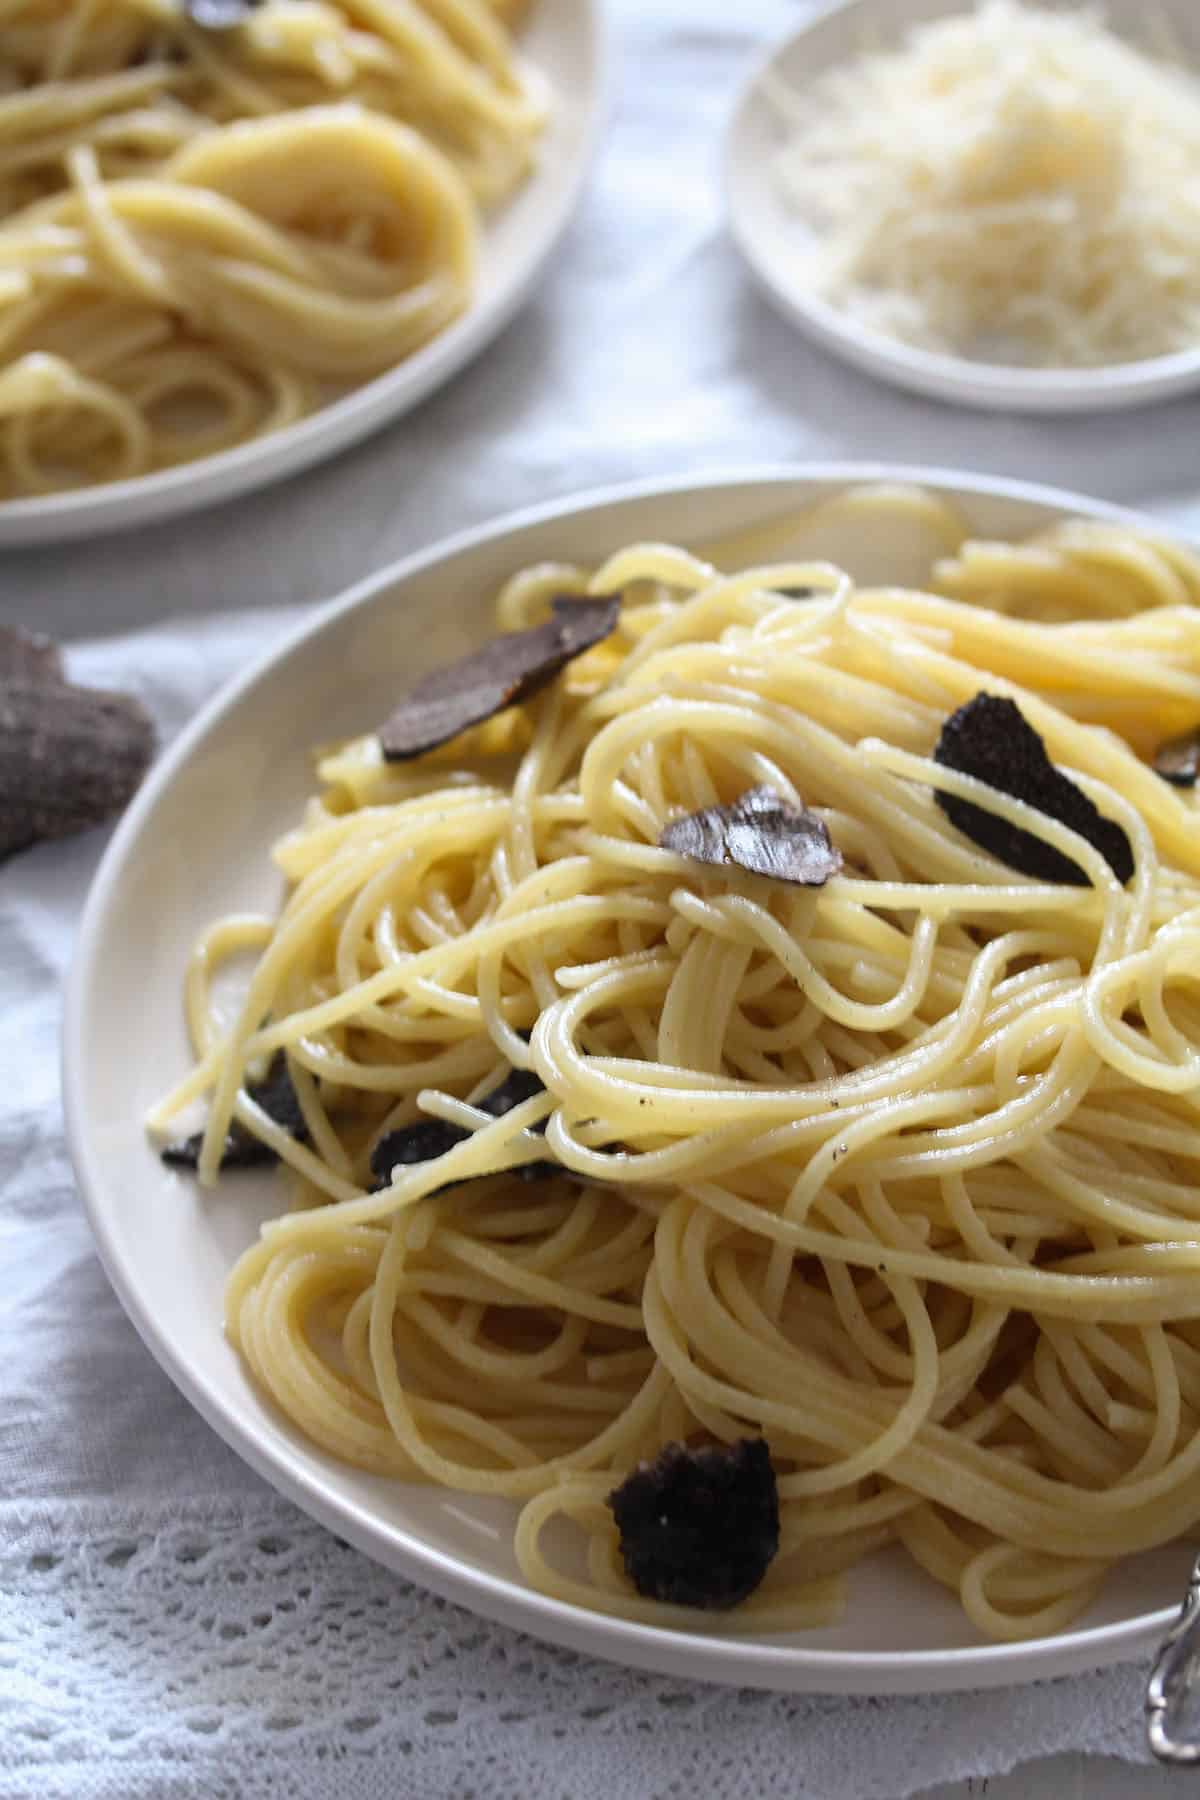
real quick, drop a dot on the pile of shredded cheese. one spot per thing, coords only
(1012, 184)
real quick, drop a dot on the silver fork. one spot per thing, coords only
(1176, 1670)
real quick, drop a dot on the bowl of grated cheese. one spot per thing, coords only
(998, 206)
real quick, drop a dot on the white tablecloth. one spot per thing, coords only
(167, 1626)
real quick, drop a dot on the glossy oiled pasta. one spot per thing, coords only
(901, 1173)
(206, 234)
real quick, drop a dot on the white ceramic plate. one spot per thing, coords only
(195, 844)
(564, 40)
(770, 234)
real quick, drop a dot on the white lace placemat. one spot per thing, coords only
(237, 1651)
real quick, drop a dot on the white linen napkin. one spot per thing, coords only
(168, 1627)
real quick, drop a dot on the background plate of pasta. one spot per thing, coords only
(238, 235)
(671, 1117)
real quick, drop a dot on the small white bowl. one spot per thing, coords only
(767, 230)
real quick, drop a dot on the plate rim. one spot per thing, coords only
(783, 1666)
(938, 375)
(248, 467)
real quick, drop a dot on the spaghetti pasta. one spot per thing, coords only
(207, 234)
(900, 1173)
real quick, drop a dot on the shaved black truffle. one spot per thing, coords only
(509, 669)
(699, 1527)
(761, 833)
(991, 739)
(426, 1138)
(518, 1085)
(242, 1150)
(1178, 760)
(416, 1143)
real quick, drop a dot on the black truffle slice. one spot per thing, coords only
(509, 669)
(427, 1138)
(991, 739)
(1178, 760)
(27, 656)
(699, 1527)
(518, 1085)
(242, 1150)
(70, 757)
(416, 1143)
(760, 832)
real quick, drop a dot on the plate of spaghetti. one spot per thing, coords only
(664, 1099)
(238, 235)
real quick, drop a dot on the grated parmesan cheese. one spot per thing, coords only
(1013, 184)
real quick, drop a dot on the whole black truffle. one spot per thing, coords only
(699, 1527)
(70, 757)
(27, 656)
